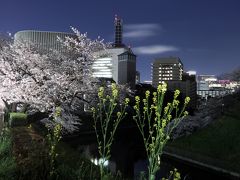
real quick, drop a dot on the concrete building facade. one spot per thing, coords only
(45, 41)
(138, 77)
(170, 71)
(187, 87)
(166, 69)
(127, 68)
(119, 64)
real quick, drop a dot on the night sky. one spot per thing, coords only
(205, 34)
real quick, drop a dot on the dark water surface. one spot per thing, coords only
(128, 156)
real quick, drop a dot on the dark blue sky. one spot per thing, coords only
(205, 34)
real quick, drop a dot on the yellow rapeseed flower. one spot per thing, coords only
(159, 88)
(185, 113)
(164, 87)
(137, 99)
(187, 99)
(147, 93)
(118, 114)
(100, 92)
(175, 103)
(176, 93)
(115, 93)
(127, 100)
(164, 122)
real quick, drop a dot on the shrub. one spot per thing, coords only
(7, 167)
(17, 119)
(5, 146)
(82, 170)
(7, 162)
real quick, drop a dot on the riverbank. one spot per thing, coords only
(217, 145)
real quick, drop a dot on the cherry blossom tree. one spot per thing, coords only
(4, 39)
(45, 81)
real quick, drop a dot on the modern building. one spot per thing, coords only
(102, 68)
(127, 68)
(120, 65)
(206, 77)
(187, 87)
(45, 41)
(170, 71)
(166, 69)
(120, 62)
(138, 77)
(210, 86)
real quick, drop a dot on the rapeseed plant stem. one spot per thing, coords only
(156, 119)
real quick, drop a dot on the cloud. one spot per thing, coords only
(154, 49)
(141, 30)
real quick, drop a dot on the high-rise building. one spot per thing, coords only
(170, 71)
(166, 69)
(127, 68)
(187, 87)
(138, 77)
(120, 63)
(45, 41)
(102, 67)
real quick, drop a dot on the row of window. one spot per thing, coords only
(126, 56)
(166, 71)
(165, 68)
(165, 75)
(44, 40)
(165, 79)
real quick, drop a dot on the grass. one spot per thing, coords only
(218, 144)
(7, 161)
(31, 152)
(73, 165)
(5, 146)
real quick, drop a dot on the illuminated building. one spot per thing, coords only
(45, 41)
(120, 63)
(166, 69)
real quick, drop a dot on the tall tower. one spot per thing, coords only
(118, 31)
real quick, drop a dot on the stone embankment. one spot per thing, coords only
(206, 113)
